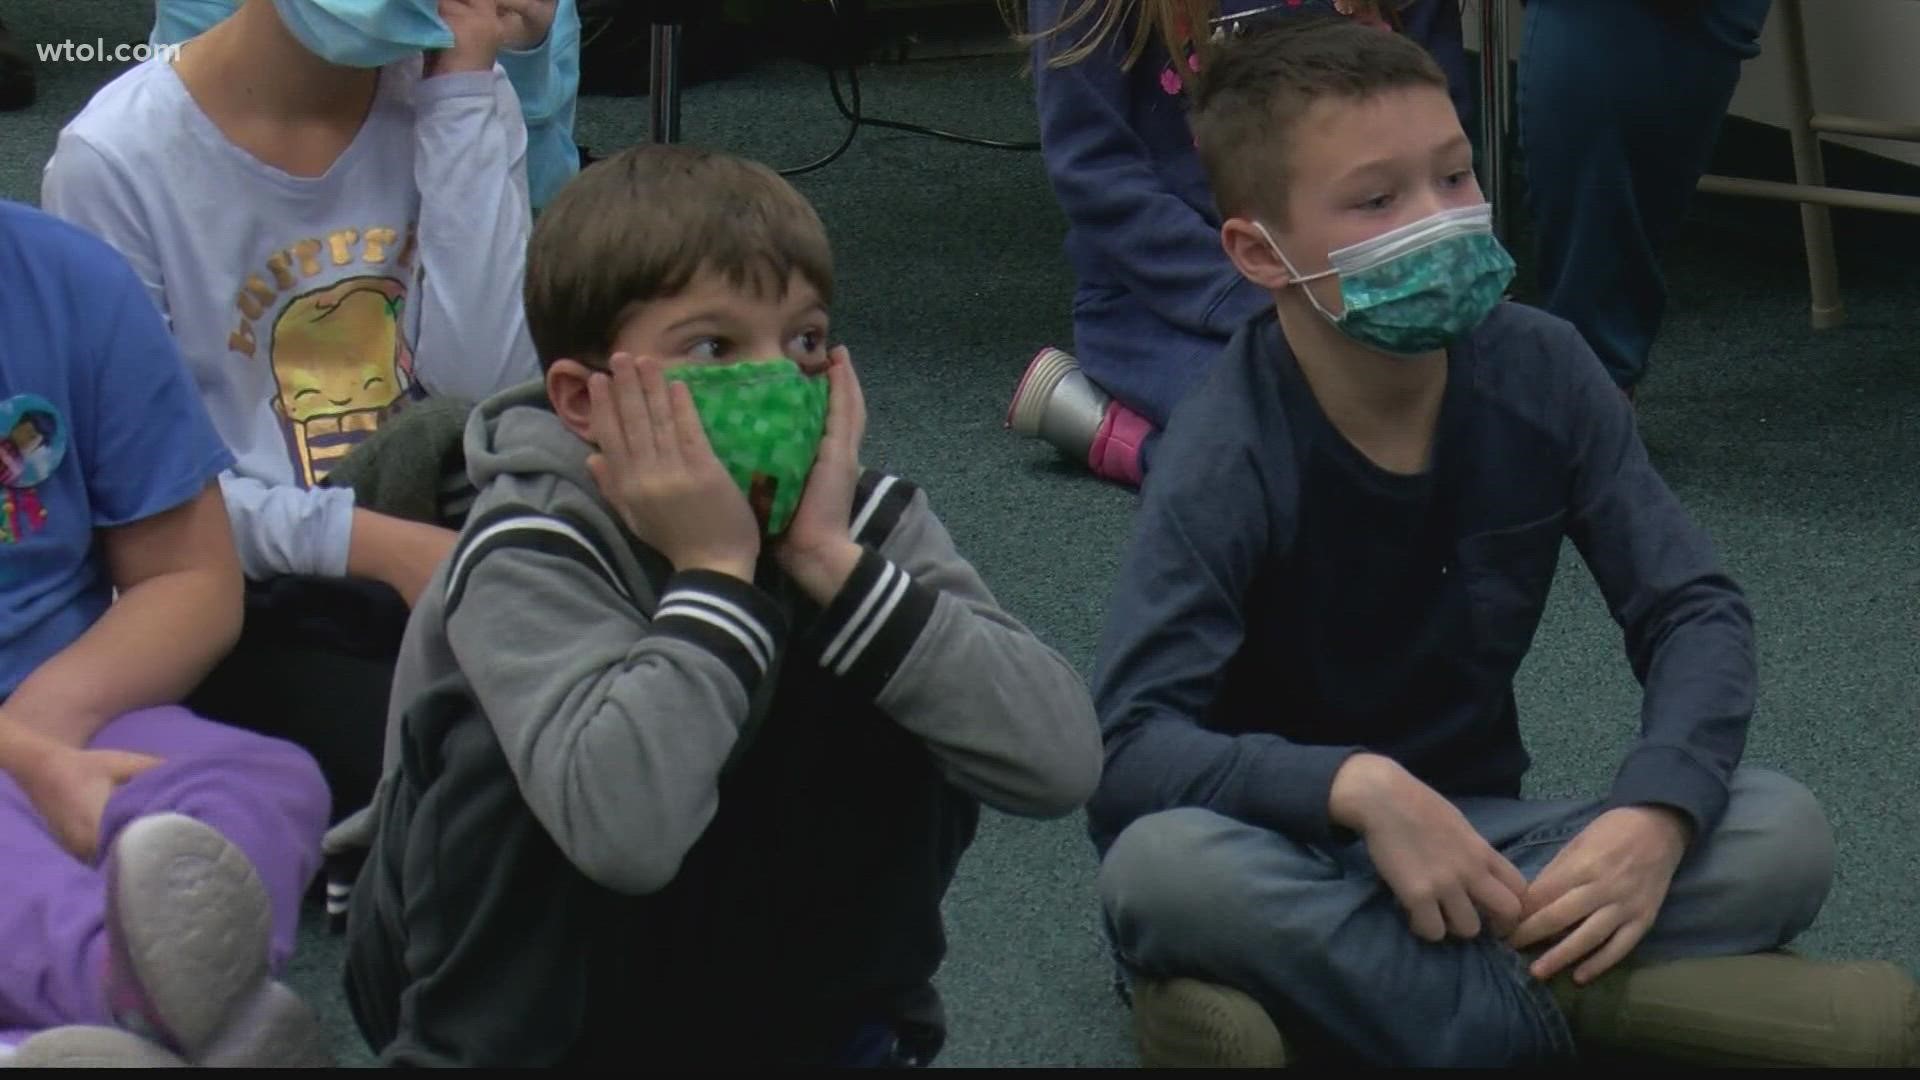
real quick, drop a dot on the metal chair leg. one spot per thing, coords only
(1816, 221)
(664, 87)
(1496, 97)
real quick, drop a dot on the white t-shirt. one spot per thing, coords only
(310, 309)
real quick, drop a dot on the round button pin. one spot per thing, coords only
(33, 441)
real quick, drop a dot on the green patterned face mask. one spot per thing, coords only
(764, 419)
(1420, 287)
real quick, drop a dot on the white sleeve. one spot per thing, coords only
(475, 217)
(283, 529)
(278, 529)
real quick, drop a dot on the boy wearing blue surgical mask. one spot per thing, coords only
(693, 729)
(328, 201)
(1311, 827)
(541, 56)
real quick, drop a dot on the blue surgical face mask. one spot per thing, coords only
(175, 21)
(365, 33)
(1418, 288)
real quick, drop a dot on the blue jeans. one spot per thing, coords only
(1320, 941)
(1620, 104)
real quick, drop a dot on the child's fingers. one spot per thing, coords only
(659, 410)
(859, 404)
(636, 412)
(527, 9)
(604, 416)
(848, 403)
(124, 766)
(693, 445)
(600, 467)
(838, 404)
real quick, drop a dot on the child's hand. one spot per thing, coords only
(1602, 891)
(71, 790)
(655, 466)
(818, 550)
(479, 32)
(524, 23)
(1363, 11)
(1448, 879)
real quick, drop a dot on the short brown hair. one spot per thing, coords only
(639, 226)
(1256, 85)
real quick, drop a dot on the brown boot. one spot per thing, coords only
(1189, 1024)
(1765, 1009)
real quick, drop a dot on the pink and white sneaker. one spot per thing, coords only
(1056, 403)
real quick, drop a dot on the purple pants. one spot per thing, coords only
(264, 795)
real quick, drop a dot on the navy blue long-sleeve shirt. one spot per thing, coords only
(1285, 603)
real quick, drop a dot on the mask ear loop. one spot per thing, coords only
(1299, 278)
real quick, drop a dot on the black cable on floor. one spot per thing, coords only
(853, 125)
(856, 120)
(853, 114)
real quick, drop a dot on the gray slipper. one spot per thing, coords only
(91, 1048)
(188, 922)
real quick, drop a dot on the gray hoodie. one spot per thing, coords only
(620, 690)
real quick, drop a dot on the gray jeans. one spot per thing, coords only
(1317, 938)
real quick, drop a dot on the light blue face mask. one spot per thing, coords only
(1417, 288)
(365, 33)
(175, 21)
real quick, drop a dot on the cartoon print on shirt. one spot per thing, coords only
(21, 514)
(342, 363)
(329, 313)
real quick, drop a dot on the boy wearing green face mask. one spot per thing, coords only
(1311, 826)
(695, 724)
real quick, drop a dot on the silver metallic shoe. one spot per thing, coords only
(1058, 404)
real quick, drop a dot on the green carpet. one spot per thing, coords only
(1796, 448)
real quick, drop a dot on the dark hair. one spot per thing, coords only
(1257, 84)
(639, 226)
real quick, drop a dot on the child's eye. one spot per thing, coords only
(807, 343)
(1456, 179)
(712, 348)
(1378, 202)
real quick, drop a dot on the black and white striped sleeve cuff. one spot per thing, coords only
(724, 615)
(870, 627)
(879, 501)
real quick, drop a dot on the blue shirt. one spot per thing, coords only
(1285, 603)
(94, 394)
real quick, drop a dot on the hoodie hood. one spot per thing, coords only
(517, 433)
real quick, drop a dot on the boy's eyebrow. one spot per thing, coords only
(698, 317)
(1365, 168)
(1386, 164)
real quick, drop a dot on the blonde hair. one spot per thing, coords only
(1106, 20)
(1177, 23)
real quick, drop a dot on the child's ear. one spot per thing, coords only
(1247, 246)
(567, 391)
